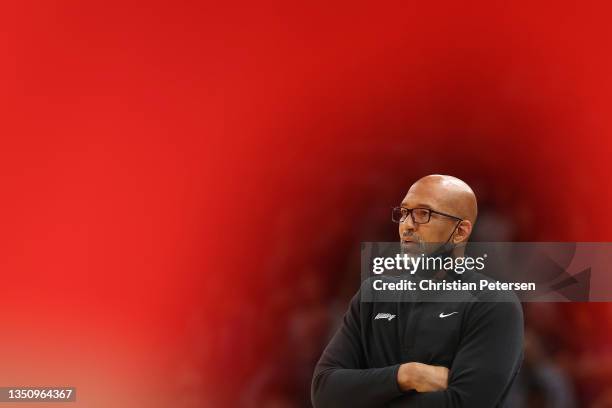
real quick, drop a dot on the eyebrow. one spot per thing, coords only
(417, 206)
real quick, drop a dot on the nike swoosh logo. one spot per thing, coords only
(442, 315)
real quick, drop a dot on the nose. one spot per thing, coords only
(406, 226)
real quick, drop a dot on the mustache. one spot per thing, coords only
(412, 236)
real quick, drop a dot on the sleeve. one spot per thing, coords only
(340, 378)
(487, 361)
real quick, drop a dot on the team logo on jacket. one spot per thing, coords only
(387, 316)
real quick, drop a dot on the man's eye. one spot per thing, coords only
(421, 213)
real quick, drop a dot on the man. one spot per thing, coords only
(430, 354)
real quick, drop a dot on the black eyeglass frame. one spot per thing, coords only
(429, 210)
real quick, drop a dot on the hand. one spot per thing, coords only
(422, 377)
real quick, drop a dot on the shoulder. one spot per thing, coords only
(487, 304)
(486, 293)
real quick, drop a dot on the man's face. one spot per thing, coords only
(437, 230)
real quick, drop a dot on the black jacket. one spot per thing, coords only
(480, 342)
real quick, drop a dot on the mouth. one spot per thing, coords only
(409, 240)
(409, 243)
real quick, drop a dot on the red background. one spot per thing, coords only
(168, 168)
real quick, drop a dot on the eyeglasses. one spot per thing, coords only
(418, 215)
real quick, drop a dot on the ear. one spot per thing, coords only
(463, 231)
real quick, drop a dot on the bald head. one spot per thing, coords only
(449, 194)
(454, 215)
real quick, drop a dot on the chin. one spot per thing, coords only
(411, 248)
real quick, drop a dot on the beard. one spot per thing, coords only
(416, 246)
